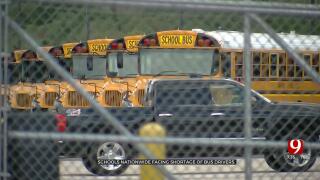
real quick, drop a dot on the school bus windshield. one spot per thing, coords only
(37, 71)
(177, 61)
(129, 64)
(13, 72)
(89, 66)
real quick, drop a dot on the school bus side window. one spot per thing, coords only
(308, 59)
(316, 63)
(256, 65)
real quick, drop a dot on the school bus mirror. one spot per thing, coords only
(89, 63)
(120, 60)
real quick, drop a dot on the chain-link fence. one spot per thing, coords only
(159, 89)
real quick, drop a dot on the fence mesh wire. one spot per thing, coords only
(50, 130)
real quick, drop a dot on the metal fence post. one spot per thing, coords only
(1, 100)
(3, 83)
(247, 95)
(5, 78)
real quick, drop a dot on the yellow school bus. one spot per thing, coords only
(176, 54)
(54, 83)
(89, 67)
(13, 75)
(24, 94)
(38, 85)
(55, 86)
(277, 76)
(274, 73)
(67, 49)
(122, 71)
(94, 64)
(17, 55)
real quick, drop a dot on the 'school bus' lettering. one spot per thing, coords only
(132, 44)
(180, 41)
(18, 55)
(172, 39)
(67, 48)
(98, 46)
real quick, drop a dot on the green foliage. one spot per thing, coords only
(54, 24)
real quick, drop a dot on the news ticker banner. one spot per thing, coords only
(167, 161)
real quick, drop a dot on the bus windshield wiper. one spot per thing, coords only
(92, 76)
(129, 75)
(192, 74)
(163, 72)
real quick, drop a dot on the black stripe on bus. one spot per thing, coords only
(288, 92)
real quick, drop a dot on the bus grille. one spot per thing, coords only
(113, 98)
(140, 95)
(24, 100)
(50, 97)
(76, 99)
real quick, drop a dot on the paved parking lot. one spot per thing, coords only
(73, 169)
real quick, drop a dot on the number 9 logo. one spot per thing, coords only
(295, 146)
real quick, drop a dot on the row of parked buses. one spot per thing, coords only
(273, 72)
(116, 71)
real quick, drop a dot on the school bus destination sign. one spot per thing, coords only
(98, 46)
(67, 48)
(132, 42)
(177, 39)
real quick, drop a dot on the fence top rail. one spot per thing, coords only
(209, 5)
(254, 142)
